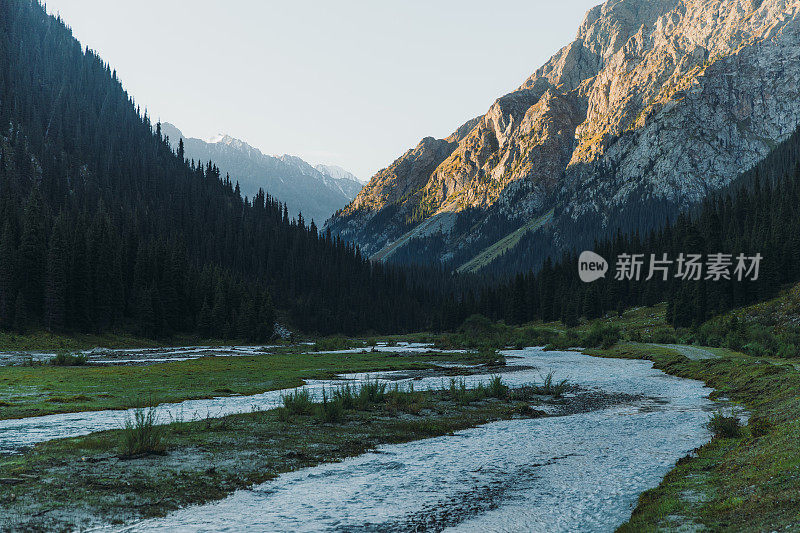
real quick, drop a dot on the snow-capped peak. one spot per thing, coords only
(218, 138)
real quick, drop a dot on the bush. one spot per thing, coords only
(346, 395)
(756, 349)
(68, 359)
(570, 339)
(727, 427)
(601, 336)
(787, 351)
(663, 337)
(733, 341)
(142, 434)
(477, 332)
(460, 393)
(405, 400)
(532, 336)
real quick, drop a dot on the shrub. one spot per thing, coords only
(459, 391)
(68, 359)
(532, 336)
(142, 434)
(663, 337)
(727, 427)
(600, 336)
(404, 400)
(478, 332)
(733, 341)
(788, 351)
(564, 342)
(755, 349)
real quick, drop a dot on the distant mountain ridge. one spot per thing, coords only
(655, 104)
(316, 192)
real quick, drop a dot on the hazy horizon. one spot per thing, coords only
(353, 85)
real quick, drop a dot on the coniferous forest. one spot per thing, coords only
(103, 227)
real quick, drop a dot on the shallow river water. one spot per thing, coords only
(581, 472)
(16, 434)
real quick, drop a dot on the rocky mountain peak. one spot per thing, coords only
(654, 102)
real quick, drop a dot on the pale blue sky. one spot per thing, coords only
(353, 83)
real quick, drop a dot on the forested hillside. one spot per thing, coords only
(758, 214)
(104, 227)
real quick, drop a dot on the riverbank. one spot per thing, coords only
(88, 481)
(747, 483)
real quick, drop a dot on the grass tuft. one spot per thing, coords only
(553, 388)
(331, 409)
(496, 388)
(142, 433)
(298, 402)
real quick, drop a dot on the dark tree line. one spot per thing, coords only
(103, 227)
(757, 214)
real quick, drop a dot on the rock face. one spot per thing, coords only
(655, 104)
(316, 192)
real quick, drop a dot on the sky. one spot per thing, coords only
(353, 83)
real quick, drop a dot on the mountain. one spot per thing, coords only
(655, 104)
(755, 215)
(315, 192)
(339, 173)
(105, 228)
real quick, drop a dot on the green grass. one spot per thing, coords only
(505, 244)
(45, 389)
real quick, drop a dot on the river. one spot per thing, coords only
(580, 472)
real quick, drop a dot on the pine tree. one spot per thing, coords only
(8, 283)
(32, 255)
(56, 290)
